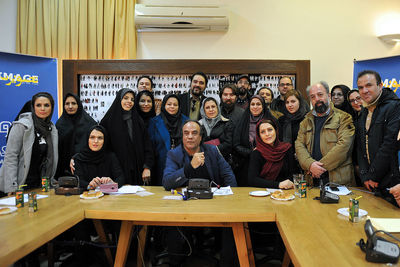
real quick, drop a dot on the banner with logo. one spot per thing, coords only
(22, 76)
(388, 68)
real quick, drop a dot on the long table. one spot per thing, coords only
(314, 234)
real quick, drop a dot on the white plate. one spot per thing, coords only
(259, 193)
(345, 212)
(283, 199)
(83, 197)
(11, 210)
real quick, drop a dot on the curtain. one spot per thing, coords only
(77, 29)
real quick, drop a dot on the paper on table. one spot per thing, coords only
(386, 224)
(11, 200)
(342, 190)
(222, 191)
(128, 189)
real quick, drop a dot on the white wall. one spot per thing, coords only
(329, 33)
(8, 25)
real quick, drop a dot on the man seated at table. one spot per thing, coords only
(325, 140)
(192, 159)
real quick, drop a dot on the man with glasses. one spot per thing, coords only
(244, 88)
(377, 129)
(284, 85)
(190, 102)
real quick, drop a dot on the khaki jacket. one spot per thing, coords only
(337, 137)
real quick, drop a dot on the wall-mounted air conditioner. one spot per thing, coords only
(156, 18)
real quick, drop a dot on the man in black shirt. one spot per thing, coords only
(191, 101)
(244, 88)
(229, 110)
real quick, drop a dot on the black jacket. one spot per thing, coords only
(234, 115)
(256, 165)
(382, 136)
(223, 130)
(184, 100)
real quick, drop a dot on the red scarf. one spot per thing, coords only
(273, 154)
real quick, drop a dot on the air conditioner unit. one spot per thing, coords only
(157, 18)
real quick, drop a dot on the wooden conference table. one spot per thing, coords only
(314, 234)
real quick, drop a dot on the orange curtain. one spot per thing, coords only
(76, 29)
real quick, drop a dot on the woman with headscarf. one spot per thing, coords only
(271, 163)
(144, 104)
(32, 150)
(295, 112)
(217, 130)
(339, 98)
(355, 100)
(72, 127)
(165, 132)
(244, 139)
(128, 138)
(94, 165)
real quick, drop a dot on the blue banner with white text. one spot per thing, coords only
(22, 76)
(388, 68)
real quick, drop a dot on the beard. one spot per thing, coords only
(321, 107)
(196, 91)
(242, 91)
(228, 106)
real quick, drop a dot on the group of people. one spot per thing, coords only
(349, 137)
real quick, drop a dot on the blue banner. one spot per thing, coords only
(388, 68)
(21, 77)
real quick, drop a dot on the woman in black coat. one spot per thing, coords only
(217, 130)
(94, 165)
(244, 138)
(128, 138)
(72, 127)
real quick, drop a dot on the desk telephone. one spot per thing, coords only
(199, 188)
(326, 196)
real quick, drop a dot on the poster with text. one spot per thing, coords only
(22, 76)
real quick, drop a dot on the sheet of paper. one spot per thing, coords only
(173, 197)
(144, 193)
(386, 224)
(342, 190)
(128, 189)
(222, 191)
(10, 201)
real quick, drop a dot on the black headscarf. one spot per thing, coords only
(72, 131)
(345, 106)
(291, 122)
(89, 156)
(172, 122)
(43, 127)
(128, 138)
(244, 123)
(146, 116)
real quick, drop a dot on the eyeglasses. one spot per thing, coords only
(243, 82)
(285, 84)
(357, 99)
(337, 94)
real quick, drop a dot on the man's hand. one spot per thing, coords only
(316, 169)
(106, 180)
(197, 160)
(370, 185)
